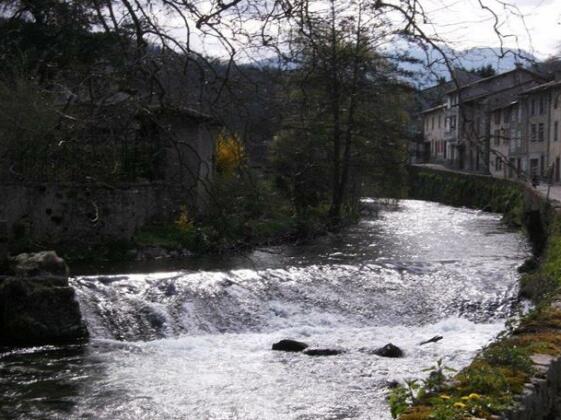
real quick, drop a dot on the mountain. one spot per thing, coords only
(431, 66)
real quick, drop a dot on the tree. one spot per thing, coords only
(484, 71)
(340, 94)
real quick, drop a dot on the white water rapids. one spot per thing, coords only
(196, 344)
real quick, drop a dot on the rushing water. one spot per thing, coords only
(195, 344)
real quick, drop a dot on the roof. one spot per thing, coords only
(504, 104)
(434, 108)
(543, 87)
(496, 76)
(462, 77)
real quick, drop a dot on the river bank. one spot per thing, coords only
(517, 375)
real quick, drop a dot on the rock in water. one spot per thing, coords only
(38, 308)
(323, 352)
(432, 340)
(39, 263)
(290, 345)
(389, 350)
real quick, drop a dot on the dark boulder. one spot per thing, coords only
(39, 263)
(434, 339)
(37, 307)
(392, 384)
(290, 345)
(323, 352)
(389, 350)
(531, 264)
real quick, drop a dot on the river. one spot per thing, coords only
(195, 343)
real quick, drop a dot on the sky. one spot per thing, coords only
(535, 24)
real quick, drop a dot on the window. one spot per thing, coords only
(453, 123)
(541, 132)
(556, 99)
(504, 135)
(533, 167)
(542, 166)
(533, 132)
(507, 115)
(498, 117)
(497, 136)
(542, 105)
(533, 107)
(439, 120)
(498, 163)
(556, 131)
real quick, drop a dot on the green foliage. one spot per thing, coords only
(512, 357)
(436, 379)
(27, 123)
(404, 396)
(399, 400)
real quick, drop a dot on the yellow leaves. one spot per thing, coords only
(474, 396)
(230, 153)
(184, 222)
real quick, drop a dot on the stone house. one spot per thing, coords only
(93, 212)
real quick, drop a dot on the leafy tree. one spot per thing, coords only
(340, 94)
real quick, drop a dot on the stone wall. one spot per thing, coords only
(47, 214)
(541, 398)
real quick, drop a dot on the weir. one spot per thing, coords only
(197, 343)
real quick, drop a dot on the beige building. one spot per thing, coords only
(508, 125)
(555, 130)
(541, 130)
(434, 132)
(506, 140)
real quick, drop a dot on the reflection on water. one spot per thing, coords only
(193, 341)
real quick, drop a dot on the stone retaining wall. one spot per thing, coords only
(49, 214)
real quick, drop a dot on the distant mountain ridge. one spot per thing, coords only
(468, 59)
